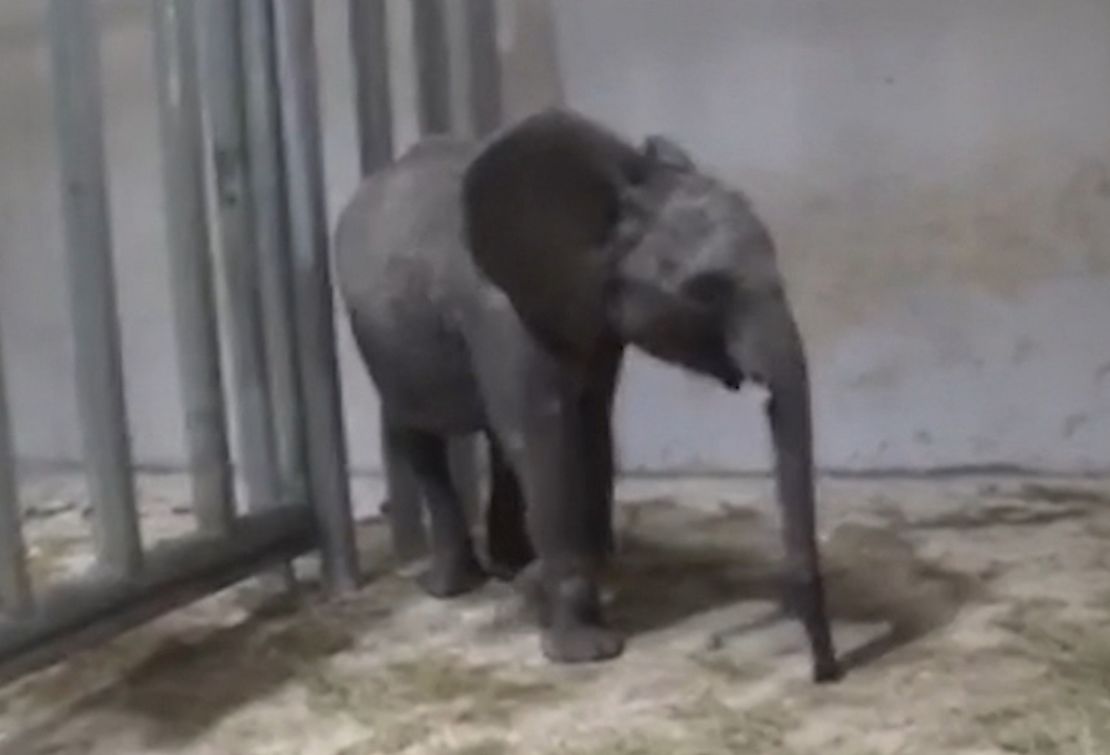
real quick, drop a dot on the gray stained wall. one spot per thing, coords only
(937, 176)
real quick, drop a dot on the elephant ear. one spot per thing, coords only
(542, 203)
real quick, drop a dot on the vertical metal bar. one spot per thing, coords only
(457, 40)
(482, 79)
(79, 121)
(429, 22)
(272, 238)
(224, 90)
(485, 66)
(327, 448)
(15, 586)
(190, 264)
(433, 24)
(367, 27)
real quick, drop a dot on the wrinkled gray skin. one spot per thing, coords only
(494, 287)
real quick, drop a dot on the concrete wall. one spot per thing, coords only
(937, 176)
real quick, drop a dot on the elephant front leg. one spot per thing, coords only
(563, 521)
(533, 402)
(510, 550)
(597, 449)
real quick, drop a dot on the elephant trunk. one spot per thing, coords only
(770, 351)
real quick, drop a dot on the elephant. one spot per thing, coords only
(492, 286)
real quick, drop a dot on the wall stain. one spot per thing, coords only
(1073, 423)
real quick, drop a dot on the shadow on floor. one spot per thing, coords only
(675, 565)
(187, 686)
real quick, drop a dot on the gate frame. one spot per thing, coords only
(247, 109)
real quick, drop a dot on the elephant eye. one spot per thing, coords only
(708, 289)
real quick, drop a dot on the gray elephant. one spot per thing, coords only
(492, 287)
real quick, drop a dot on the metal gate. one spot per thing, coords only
(247, 111)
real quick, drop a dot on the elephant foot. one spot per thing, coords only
(453, 575)
(804, 599)
(827, 671)
(581, 643)
(572, 626)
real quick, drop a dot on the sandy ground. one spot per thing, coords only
(974, 613)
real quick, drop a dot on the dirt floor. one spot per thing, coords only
(975, 615)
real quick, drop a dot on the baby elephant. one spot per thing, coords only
(492, 287)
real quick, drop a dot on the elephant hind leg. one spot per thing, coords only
(510, 549)
(454, 567)
(402, 508)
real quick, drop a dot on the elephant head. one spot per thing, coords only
(597, 241)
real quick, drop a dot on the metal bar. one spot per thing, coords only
(429, 22)
(189, 246)
(435, 26)
(272, 238)
(485, 66)
(75, 616)
(79, 121)
(368, 31)
(15, 586)
(327, 448)
(456, 36)
(224, 91)
(472, 88)
(486, 114)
